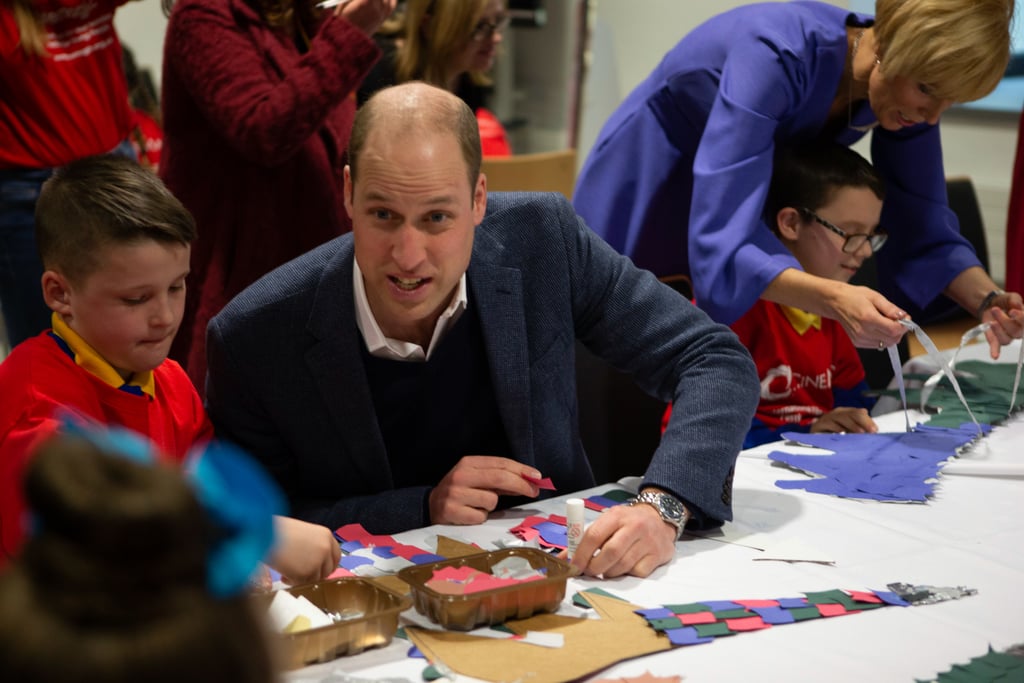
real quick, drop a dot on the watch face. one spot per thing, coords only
(670, 507)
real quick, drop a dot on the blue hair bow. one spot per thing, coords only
(239, 498)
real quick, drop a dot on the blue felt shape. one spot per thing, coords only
(350, 562)
(891, 598)
(901, 466)
(721, 605)
(655, 613)
(425, 558)
(774, 615)
(790, 603)
(383, 552)
(351, 546)
(686, 635)
(414, 653)
(552, 533)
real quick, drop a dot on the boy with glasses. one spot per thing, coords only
(824, 204)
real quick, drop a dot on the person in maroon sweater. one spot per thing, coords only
(258, 101)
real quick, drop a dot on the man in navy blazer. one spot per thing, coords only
(421, 369)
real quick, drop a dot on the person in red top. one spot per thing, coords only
(62, 97)
(115, 244)
(451, 44)
(258, 101)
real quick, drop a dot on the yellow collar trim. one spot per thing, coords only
(88, 359)
(801, 320)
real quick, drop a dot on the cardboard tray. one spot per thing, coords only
(377, 626)
(495, 606)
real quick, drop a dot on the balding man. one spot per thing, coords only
(421, 369)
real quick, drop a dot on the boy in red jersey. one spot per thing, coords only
(115, 248)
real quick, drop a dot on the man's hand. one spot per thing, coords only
(625, 539)
(471, 489)
(303, 552)
(845, 419)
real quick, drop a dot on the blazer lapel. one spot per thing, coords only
(335, 362)
(497, 293)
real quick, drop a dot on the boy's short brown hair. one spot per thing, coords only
(100, 201)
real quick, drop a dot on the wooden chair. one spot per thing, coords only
(539, 172)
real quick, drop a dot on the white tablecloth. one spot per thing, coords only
(971, 534)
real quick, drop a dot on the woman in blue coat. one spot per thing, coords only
(678, 176)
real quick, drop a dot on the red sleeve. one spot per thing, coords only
(247, 86)
(16, 447)
(849, 369)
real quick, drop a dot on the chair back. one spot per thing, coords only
(537, 172)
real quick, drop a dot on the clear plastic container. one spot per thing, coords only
(375, 628)
(494, 606)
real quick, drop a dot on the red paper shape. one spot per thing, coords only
(754, 623)
(543, 483)
(757, 603)
(697, 618)
(831, 609)
(864, 596)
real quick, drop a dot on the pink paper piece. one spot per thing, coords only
(746, 624)
(697, 618)
(543, 483)
(864, 596)
(356, 532)
(832, 609)
(339, 573)
(758, 603)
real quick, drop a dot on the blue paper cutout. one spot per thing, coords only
(603, 500)
(350, 562)
(553, 534)
(721, 605)
(891, 598)
(899, 466)
(351, 546)
(656, 613)
(774, 615)
(383, 552)
(426, 558)
(790, 603)
(686, 635)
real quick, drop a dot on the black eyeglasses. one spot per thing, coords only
(851, 243)
(485, 29)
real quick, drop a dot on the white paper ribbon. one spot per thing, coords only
(945, 368)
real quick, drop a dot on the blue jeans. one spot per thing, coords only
(25, 313)
(21, 271)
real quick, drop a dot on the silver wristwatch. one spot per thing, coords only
(670, 509)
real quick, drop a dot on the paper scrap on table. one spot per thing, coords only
(646, 677)
(789, 550)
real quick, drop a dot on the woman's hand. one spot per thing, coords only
(366, 15)
(869, 318)
(1006, 321)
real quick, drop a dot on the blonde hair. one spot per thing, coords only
(433, 33)
(958, 48)
(30, 28)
